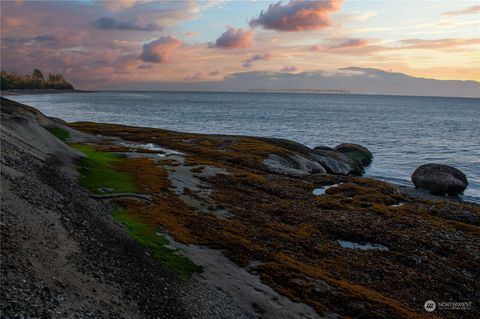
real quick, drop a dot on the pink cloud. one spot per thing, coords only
(160, 51)
(342, 44)
(437, 43)
(145, 66)
(190, 34)
(289, 68)
(215, 72)
(256, 57)
(349, 43)
(195, 77)
(13, 22)
(235, 39)
(297, 15)
(469, 10)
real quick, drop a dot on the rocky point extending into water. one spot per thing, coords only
(103, 220)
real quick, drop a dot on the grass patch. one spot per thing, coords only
(99, 170)
(148, 237)
(59, 132)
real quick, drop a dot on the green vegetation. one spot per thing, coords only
(59, 132)
(98, 170)
(356, 156)
(36, 81)
(155, 242)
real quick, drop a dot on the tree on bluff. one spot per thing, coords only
(12, 81)
(37, 74)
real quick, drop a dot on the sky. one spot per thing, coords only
(96, 44)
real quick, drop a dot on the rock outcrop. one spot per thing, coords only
(356, 152)
(440, 179)
(293, 165)
(345, 159)
(337, 163)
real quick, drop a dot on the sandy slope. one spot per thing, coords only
(62, 255)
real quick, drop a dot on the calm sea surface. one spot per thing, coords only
(402, 132)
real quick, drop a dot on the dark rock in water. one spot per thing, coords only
(440, 179)
(337, 163)
(356, 152)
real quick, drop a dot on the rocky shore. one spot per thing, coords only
(110, 221)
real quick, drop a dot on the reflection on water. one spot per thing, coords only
(322, 190)
(359, 246)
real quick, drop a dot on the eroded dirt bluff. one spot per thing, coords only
(275, 241)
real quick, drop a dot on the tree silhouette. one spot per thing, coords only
(12, 81)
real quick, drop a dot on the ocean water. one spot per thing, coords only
(402, 132)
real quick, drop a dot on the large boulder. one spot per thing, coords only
(356, 152)
(293, 165)
(337, 163)
(440, 179)
(323, 148)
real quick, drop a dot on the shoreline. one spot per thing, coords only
(36, 92)
(382, 168)
(212, 199)
(274, 92)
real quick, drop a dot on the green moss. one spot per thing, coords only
(99, 170)
(59, 132)
(153, 241)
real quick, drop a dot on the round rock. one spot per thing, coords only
(356, 152)
(440, 179)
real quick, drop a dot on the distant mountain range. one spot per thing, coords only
(352, 79)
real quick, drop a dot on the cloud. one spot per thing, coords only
(190, 34)
(159, 51)
(438, 43)
(235, 39)
(13, 22)
(145, 66)
(349, 43)
(195, 77)
(289, 68)
(341, 44)
(215, 72)
(256, 57)
(356, 16)
(61, 39)
(201, 76)
(469, 10)
(297, 15)
(30, 41)
(119, 4)
(131, 25)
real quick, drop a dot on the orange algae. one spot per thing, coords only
(278, 221)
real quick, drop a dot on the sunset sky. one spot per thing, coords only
(99, 43)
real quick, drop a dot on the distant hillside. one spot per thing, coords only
(353, 79)
(36, 81)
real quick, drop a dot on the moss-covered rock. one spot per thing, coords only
(356, 152)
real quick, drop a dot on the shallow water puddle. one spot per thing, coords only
(359, 246)
(321, 190)
(398, 205)
(152, 147)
